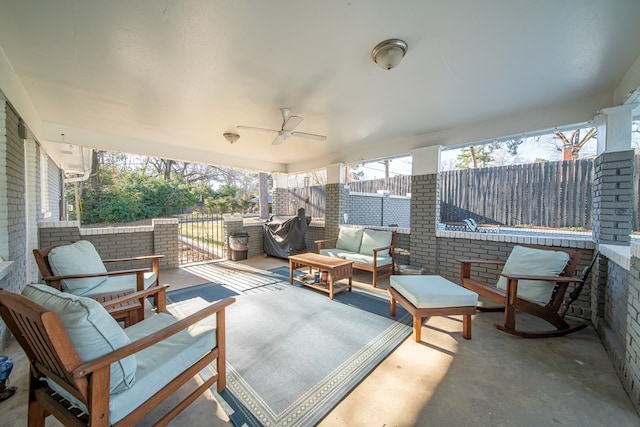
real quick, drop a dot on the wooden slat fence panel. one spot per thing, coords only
(548, 194)
(310, 198)
(398, 185)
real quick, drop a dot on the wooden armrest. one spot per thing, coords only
(138, 258)
(480, 261)
(89, 275)
(136, 295)
(560, 279)
(131, 271)
(383, 248)
(326, 241)
(74, 276)
(320, 242)
(149, 340)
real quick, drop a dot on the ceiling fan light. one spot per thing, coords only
(389, 53)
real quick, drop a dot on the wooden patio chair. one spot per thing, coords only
(77, 268)
(534, 280)
(96, 373)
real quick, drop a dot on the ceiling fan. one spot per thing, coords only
(289, 123)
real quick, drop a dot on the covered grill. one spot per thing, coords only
(284, 235)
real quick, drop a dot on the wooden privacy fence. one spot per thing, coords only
(399, 185)
(310, 198)
(549, 194)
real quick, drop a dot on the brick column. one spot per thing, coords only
(336, 196)
(280, 204)
(613, 197)
(425, 213)
(425, 208)
(165, 241)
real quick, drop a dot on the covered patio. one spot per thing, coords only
(75, 77)
(494, 379)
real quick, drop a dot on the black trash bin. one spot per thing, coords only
(239, 245)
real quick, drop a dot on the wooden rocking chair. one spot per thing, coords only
(97, 374)
(551, 309)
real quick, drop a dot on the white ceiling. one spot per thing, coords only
(168, 78)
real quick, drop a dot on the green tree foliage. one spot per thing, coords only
(125, 196)
(127, 188)
(478, 156)
(224, 200)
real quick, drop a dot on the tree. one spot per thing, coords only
(570, 145)
(477, 156)
(353, 173)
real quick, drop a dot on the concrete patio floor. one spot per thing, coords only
(494, 379)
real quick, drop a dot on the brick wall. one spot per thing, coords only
(613, 197)
(161, 238)
(630, 373)
(364, 209)
(12, 205)
(617, 318)
(315, 232)
(378, 209)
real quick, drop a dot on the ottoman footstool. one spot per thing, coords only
(425, 296)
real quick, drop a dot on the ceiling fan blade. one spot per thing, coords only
(309, 136)
(279, 140)
(258, 129)
(291, 122)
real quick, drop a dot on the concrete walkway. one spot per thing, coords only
(492, 380)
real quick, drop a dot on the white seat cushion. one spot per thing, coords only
(162, 362)
(534, 262)
(80, 257)
(93, 332)
(433, 292)
(159, 364)
(121, 283)
(363, 259)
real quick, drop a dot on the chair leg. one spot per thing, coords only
(466, 326)
(417, 328)
(392, 306)
(36, 413)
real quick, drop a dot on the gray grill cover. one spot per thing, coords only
(284, 235)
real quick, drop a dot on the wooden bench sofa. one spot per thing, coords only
(370, 250)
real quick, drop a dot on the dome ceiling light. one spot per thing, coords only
(389, 53)
(231, 137)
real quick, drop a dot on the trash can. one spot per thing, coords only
(239, 245)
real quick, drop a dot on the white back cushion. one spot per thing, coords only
(77, 258)
(534, 262)
(93, 332)
(349, 239)
(373, 239)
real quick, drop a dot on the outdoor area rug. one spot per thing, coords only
(292, 353)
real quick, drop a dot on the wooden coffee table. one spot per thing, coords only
(337, 268)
